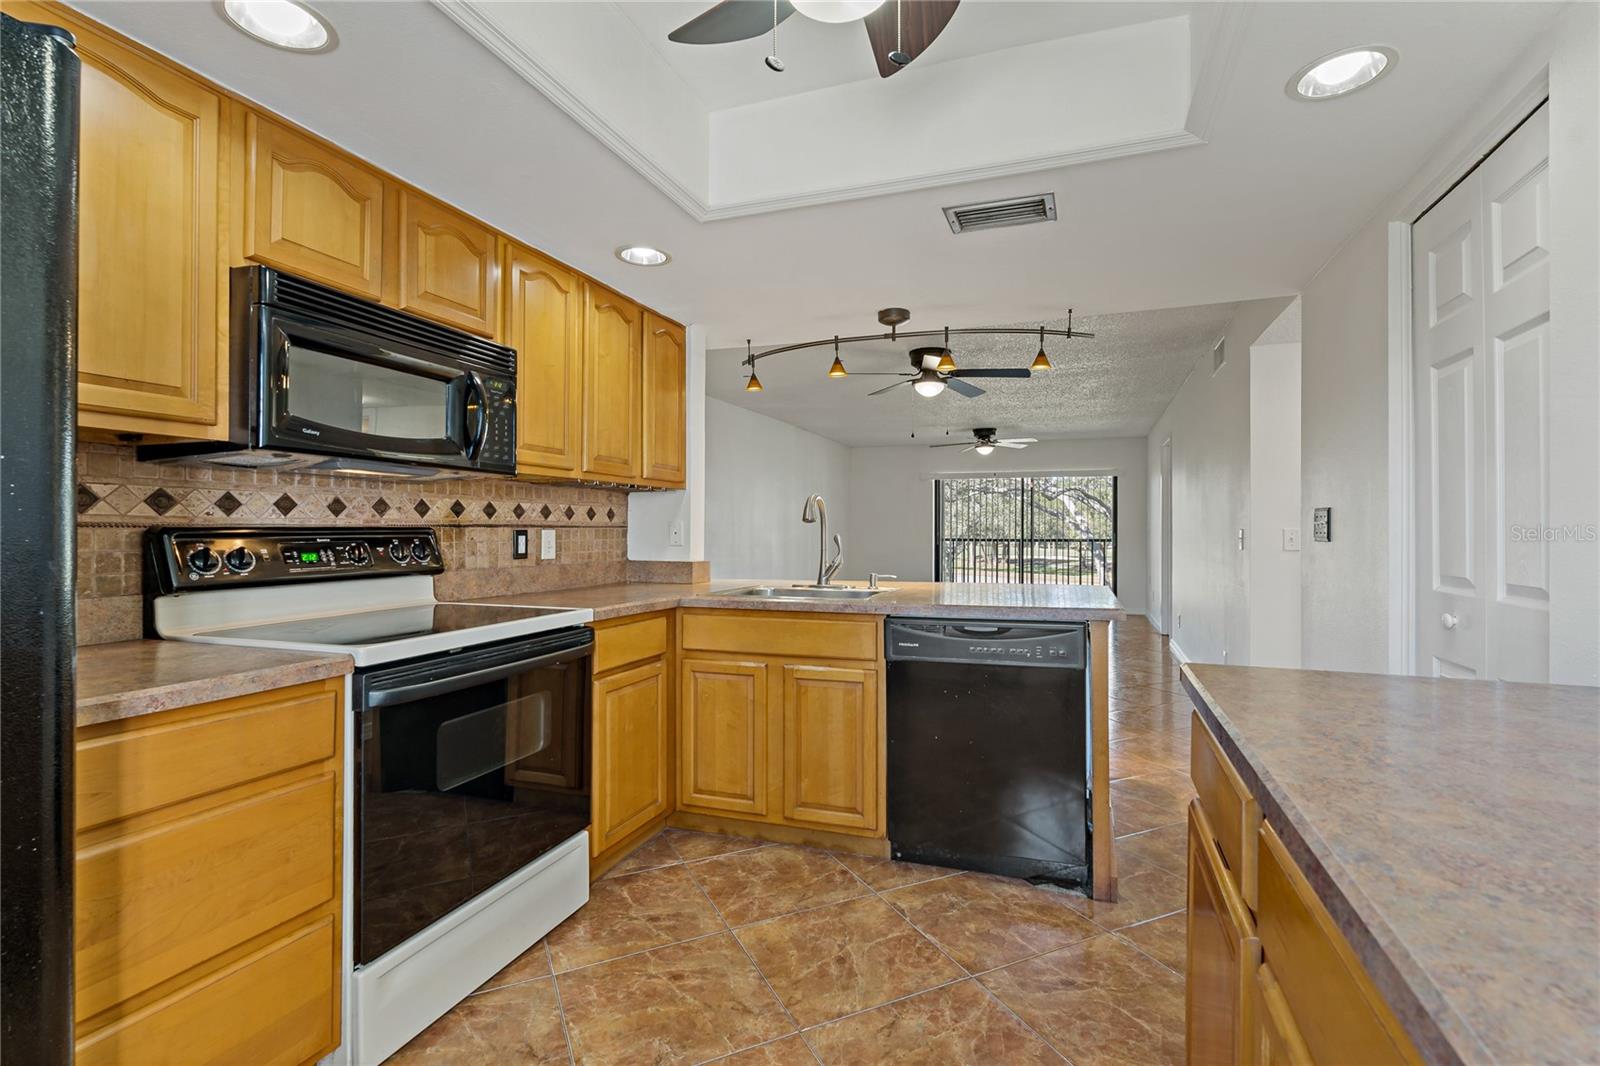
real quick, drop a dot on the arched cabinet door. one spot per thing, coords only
(312, 211)
(613, 326)
(664, 384)
(449, 270)
(544, 323)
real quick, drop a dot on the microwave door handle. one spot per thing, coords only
(388, 697)
(476, 390)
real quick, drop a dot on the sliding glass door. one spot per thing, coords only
(1055, 530)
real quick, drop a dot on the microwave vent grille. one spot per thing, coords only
(306, 297)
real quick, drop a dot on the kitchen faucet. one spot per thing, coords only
(816, 511)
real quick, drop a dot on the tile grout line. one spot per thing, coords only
(561, 1009)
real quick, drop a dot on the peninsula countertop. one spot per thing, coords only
(134, 677)
(1449, 827)
(911, 599)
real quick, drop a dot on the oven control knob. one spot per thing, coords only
(358, 553)
(202, 560)
(422, 552)
(399, 552)
(240, 560)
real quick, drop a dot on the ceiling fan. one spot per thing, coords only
(984, 441)
(934, 369)
(897, 31)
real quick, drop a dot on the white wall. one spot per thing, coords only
(1209, 423)
(759, 472)
(1274, 571)
(1346, 610)
(891, 502)
(653, 516)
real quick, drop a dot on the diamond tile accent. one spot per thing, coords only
(458, 508)
(336, 507)
(545, 512)
(489, 509)
(611, 514)
(228, 503)
(285, 504)
(592, 512)
(519, 510)
(569, 512)
(380, 507)
(161, 501)
(87, 498)
(422, 508)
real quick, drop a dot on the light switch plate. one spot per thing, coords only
(547, 544)
(1291, 539)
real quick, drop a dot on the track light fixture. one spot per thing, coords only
(1042, 361)
(754, 384)
(837, 370)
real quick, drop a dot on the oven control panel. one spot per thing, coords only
(182, 558)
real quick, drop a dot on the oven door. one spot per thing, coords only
(469, 766)
(339, 391)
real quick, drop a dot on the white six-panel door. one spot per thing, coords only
(1480, 317)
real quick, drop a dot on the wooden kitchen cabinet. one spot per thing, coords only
(1223, 953)
(633, 709)
(543, 312)
(664, 386)
(152, 278)
(724, 759)
(449, 265)
(830, 746)
(312, 211)
(1271, 1036)
(208, 869)
(612, 339)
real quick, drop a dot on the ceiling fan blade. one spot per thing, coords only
(1018, 440)
(953, 444)
(1008, 444)
(962, 388)
(1001, 372)
(731, 20)
(877, 374)
(886, 388)
(920, 22)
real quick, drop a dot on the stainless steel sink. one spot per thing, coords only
(806, 592)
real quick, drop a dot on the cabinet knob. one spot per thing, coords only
(1448, 620)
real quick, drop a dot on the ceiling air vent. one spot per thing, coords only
(996, 213)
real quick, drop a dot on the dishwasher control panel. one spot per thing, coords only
(1057, 644)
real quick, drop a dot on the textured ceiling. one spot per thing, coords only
(1116, 384)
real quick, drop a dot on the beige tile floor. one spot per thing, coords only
(701, 948)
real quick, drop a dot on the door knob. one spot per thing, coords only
(1448, 620)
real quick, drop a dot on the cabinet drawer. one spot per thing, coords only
(155, 903)
(630, 642)
(277, 1005)
(782, 633)
(146, 763)
(1337, 1011)
(1232, 812)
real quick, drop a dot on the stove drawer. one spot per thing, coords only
(128, 768)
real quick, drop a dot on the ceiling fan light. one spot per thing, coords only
(754, 384)
(928, 383)
(984, 449)
(947, 362)
(836, 10)
(1041, 362)
(837, 370)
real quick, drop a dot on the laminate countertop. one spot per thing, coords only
(910, 599)
(135, 677)
(1452, 830)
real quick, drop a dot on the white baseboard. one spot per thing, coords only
(1177, 652)
(1155, 623)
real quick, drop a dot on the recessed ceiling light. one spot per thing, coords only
(836, 10)
(641, 255)
(282, 23)
(1342, 72)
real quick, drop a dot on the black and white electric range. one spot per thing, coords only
(468, 767)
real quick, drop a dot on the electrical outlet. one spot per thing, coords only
(675, 534)
(519, 544)
(1291, 539)
(547, 544)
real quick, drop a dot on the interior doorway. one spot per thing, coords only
(1166, 537)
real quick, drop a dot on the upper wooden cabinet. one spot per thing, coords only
(312, 211)
(664, 386)
(613, 325)
(152, 288)
(544, 323)
(449, 268)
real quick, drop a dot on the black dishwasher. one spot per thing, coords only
(989, 747)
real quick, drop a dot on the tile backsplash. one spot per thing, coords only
(119, 497)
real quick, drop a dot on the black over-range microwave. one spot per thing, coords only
(326, 382)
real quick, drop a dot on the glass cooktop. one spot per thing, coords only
(391, 624)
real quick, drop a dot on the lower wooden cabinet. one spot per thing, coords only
(633, 730)
(830, 746)
(1271, 1036)
(208, 881)
(723, 760)
(1223, 953)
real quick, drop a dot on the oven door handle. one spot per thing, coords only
(388, 697)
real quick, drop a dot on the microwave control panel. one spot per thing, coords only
(195, 558)
(499, 451)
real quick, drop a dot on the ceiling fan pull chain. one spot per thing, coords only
(898, 57)
(773, 62)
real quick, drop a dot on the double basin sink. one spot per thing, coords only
(806, 592)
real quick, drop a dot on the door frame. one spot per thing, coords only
(1487, 133)
(1166, 536)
